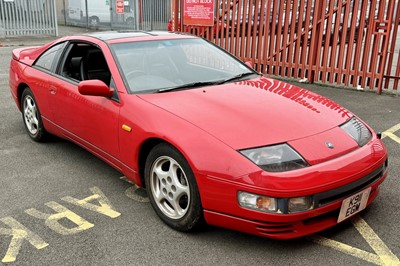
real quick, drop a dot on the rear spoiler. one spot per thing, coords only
(26, 55)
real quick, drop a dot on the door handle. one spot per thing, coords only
(53, 90)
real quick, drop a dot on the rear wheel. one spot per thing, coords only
(31, 116)
(172, 188)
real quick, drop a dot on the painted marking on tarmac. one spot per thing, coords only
(18, 234)
(52, 220)
(390, 133)
(135, 192)
(104, 208)
(384, 256)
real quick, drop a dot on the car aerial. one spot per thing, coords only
(212, 141)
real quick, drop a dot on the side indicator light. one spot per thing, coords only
(126, 128)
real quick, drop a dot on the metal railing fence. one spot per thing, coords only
(136, 15)
(27, 17)
(155, 14)
(349, 43)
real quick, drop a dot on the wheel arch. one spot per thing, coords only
(20, 89)
(144, 151)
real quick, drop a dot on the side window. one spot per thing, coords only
(49, 58)
(94, 66)
(84, 62)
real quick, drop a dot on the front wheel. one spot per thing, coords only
(172, 188)
(31, 116)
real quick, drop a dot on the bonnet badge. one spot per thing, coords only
(329, 145)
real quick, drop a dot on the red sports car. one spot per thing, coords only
(210, 139)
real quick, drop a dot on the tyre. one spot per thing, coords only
(172, 189)
(31, 116)
(94, 21)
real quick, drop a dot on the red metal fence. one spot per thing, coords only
(351, 43)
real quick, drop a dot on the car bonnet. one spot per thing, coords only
(253, 113)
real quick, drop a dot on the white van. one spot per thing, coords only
(98, 11)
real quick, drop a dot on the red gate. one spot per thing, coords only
(349, 43)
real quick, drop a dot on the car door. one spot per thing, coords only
(42, 70)
(92, 121)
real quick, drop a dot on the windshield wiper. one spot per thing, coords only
(189, 86)
(242, 75)
(205, 83)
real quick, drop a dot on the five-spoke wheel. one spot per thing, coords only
(31, 115)
(172, 188)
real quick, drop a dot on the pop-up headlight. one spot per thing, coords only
(358, 131)
(277, 158)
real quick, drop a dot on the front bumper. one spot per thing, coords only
(350, 173)
(292, 225)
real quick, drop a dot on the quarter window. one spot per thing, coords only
(48, 58)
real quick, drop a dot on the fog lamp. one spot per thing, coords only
(300, 204)
(257, 202)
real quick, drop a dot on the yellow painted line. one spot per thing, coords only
(390, 133)
(105, 207)
(384, 256)
(355, 252)
(52, 220)
(18, 234)
(131, 191)
(392, 136)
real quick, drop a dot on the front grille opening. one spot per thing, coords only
(346, 193)
(330, 196)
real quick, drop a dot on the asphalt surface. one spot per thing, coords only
(35, 178)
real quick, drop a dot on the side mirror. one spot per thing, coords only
(249, 64)
(94, 87)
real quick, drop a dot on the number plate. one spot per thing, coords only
(354, 204)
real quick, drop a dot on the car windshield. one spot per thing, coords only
(166, 65)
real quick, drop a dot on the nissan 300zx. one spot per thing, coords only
(210, 139)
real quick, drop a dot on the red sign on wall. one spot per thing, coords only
(119, 6)
(199, 12)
